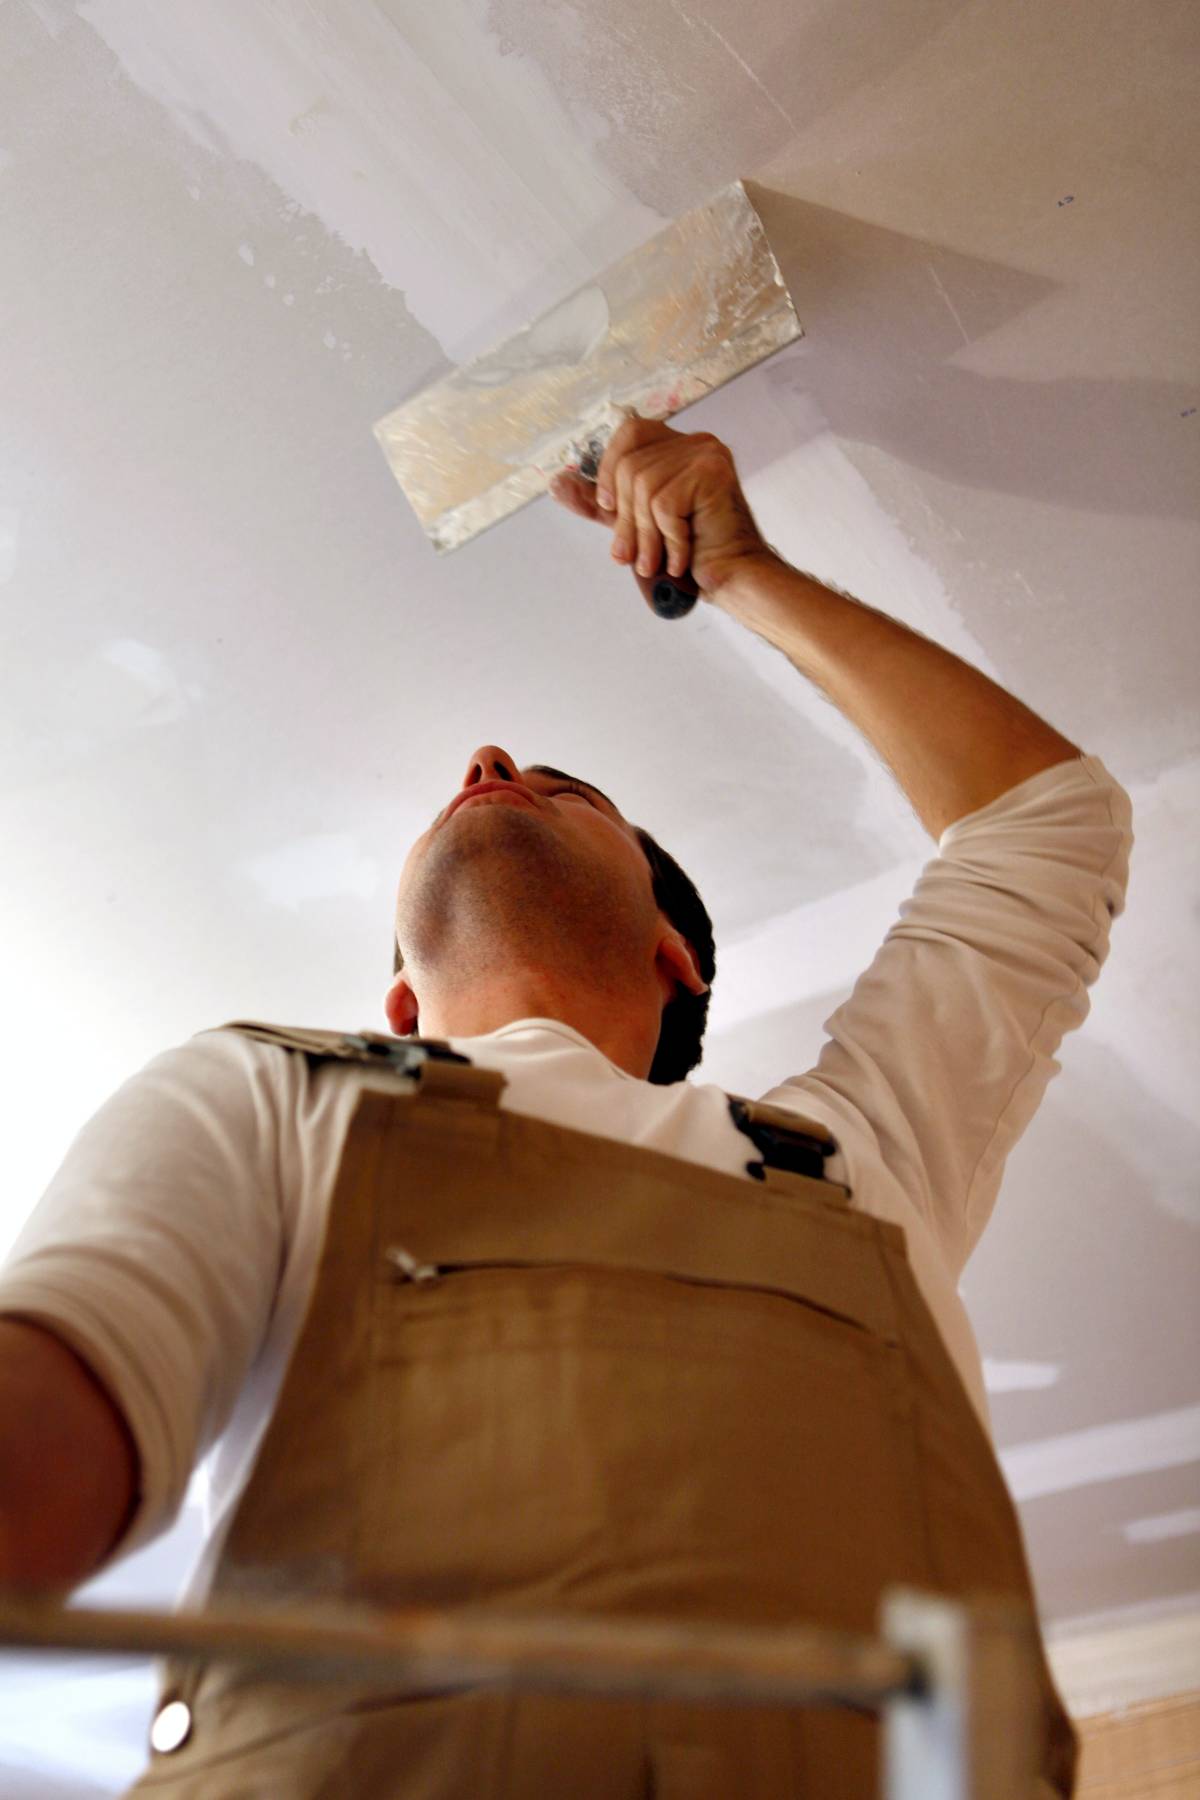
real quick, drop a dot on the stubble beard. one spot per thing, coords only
(506, 889)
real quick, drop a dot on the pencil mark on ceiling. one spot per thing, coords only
(949, 302)
(739, 60)
(743, 64)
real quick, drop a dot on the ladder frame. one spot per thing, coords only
(955, 1681)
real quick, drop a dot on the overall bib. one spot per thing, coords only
(541, 1370)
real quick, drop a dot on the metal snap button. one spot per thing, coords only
(172, 1726)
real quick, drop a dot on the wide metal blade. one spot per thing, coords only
(695, 306)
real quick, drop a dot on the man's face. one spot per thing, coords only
(530, 891)
(578, 813)
(524, 863)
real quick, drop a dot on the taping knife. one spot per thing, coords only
(694, 306)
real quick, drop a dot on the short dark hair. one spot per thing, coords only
(684, 1018)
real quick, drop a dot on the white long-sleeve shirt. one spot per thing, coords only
(176, 1247)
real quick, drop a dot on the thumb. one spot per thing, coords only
(578, 496)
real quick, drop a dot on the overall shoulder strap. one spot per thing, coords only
(442, 1072)
(348, 1046)
(784, 1139)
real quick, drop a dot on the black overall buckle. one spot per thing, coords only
(779, 1146)
(404, 1055)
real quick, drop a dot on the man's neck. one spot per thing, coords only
(627, 1040)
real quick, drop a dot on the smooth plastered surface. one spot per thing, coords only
(237, 682)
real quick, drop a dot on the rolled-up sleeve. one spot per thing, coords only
(155, 1254)
(947, 1043)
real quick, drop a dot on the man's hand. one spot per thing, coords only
(953, 739)
(668, 496)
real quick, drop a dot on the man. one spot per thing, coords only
(508, 1312)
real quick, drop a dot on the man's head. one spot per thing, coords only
(531, 896)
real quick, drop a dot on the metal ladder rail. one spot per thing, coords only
(955, 1682)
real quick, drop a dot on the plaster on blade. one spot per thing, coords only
(694, 306)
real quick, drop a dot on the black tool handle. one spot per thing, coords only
(671, 596)
(668, 596)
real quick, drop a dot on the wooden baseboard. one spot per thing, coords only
(1109, 1663)
(1147, 1752)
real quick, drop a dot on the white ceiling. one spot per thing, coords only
(237, 682)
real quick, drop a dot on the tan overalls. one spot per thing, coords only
(543, 1370)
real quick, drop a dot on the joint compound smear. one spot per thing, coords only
(407, 132)
(567, 334)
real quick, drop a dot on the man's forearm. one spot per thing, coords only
(953, 739)
(68, 1465)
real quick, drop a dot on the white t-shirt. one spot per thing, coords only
(176, 1247)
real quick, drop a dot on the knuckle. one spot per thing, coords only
(628, 437)
(644, 485)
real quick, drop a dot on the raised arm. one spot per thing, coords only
(953, 739)
(938, 1060)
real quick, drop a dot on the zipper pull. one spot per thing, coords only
(408, 1265)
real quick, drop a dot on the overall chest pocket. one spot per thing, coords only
(578, 1434)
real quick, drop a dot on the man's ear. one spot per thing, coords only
(678, 967)
(400, 1005)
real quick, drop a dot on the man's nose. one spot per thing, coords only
(490, 763)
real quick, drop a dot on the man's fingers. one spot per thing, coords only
(649, 549)
(678, 536)
(624, 541)
(650, 506)
(622, 439)
(664, 492)
(632, 435)
(649, 538)
(577, 495)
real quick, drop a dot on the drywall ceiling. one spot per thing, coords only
(237, 683)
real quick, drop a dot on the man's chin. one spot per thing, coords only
(497, 802)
